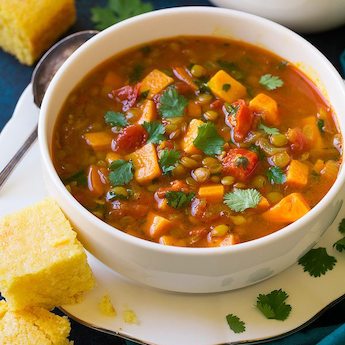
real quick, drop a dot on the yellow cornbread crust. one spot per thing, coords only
(28, 28)
(41, 261)
(33, 326)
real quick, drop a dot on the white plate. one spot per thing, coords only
(171, 318)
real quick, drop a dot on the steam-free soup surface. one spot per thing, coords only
(197, 141)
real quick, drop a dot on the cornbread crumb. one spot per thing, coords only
(129, 316)
(41, 261)
(33, 326)
(29, 27)
(106, 306)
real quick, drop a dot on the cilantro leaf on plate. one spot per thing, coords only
(273, 305)
(115, 119)
(317, 262)
(268, 130)
(341, 226)
(116, 11)
(241, 199)
(235, 323)
(340, 245)
(270, 82)
(276, 175)
(155, 130)
(168, 160)
(121, 172)
(171, 103)
(179, 199)
(208, 140)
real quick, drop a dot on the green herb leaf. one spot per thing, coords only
(258, 151)
(231, 68)
(317, 262)
(168, 160)
(208, 140)
(232, 109)
(276, 175)
(179, 199)
(136, 73)
(341, 226)
(115, 119)
(321, 125)
(116, 11)
(340, 245)
(269, 130)
(226, 87)
(235, 323)
(273, 305)
(242, 162)
(79, 178)
(171, 103)
(155, 130)
(241, 199)
(121, 172)
(270, 82)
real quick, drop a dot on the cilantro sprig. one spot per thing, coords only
(340, 244)
(116, 11)
(270, 82)
(235, 323)
(273, 305)
(168, 160)
(241, 199)
(208, 140)
(155, 130)
(121, 172)
(178, 199)
(115, 119)
(172, 104)
(276, 175)
(268, 130)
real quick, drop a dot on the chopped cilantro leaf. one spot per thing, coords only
(276, 175)
(241, 199)
(270, 82)
(235, 323)
(116, 11)
(232, 109)
(121, 172)
(321, 125)
(273, 305)
(258, 151)
(226, 87)
(168, 160)
(208, 140)
(115, 194)
(115, 119)
(155, 130)
(79, 178)
(317, 262)
(341, 226)
(231, 68)
(136, 73)
(242, 162)
(340, 245)
(171, 103)
(179, 199)
(269, 130)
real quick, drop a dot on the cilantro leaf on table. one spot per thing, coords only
(273, 305)
(171, 103)
(340, 245)
(241, 199)
(155, 130)
(115, 119)
(317, 262)
(270, 82)
(276, 175)
(208, 140)
(179, 199)
(235, 323)
(121, 172)
(269, 130)
(116, 11)
(341, 226)
(168, 160)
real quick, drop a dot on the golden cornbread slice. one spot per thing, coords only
(41, 261)
(29, 27)
(33, 326)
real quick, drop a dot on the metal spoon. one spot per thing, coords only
(41, 77)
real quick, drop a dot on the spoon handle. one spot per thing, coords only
(6, 171)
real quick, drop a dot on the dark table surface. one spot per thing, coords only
(14, 77)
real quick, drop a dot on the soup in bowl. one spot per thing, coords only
(194, 158)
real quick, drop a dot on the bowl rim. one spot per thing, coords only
(264, 241)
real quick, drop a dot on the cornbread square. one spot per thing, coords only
(34, 326)
(29, 27)
(41, 261)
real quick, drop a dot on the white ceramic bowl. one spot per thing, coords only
(192, 269)
(300, 15)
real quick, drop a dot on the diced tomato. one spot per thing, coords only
(217, 104)
(131, 138)
(127, 95)
(183, 88)
(240, 163)
(175, 186)
(241, 119)
(298, 141)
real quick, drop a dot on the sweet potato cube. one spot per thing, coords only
(312, 132)
(155, 82)
(226, 87)
(288, 209)
(149, 112)
(191, 134)
(214, 193)
(263, 204)
(99, 141)
(145, 163)
(297, 174)
(156, 226)
(267, 107)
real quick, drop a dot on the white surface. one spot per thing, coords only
(171, 318)
(193, 269)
